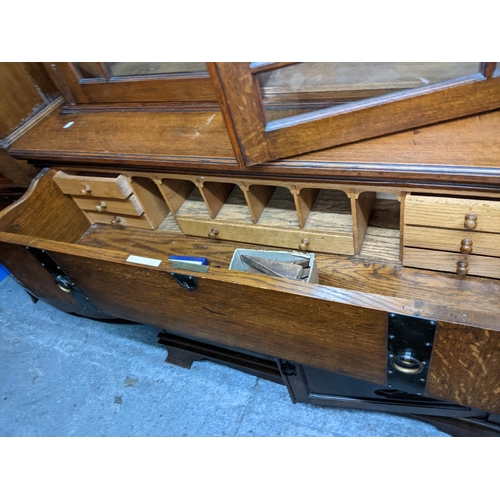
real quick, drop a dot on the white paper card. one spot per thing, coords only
(143, 260)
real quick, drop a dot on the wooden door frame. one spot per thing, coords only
(175, 88)
(254, 141)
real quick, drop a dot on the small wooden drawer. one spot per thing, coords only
(475, 265)
(306, 241)
(452, 240)
(453, 213)
(130, 206)
(95, 187)
(141, 222)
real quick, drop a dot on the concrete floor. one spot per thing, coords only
(67, 376)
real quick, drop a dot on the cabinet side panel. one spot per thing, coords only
(465, 367)
(28, 270)
(45, 212)
(19, 97)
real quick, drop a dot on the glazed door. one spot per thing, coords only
(278, 110)
(123, 82)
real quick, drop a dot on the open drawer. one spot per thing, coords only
(115, 199)
(339, 325)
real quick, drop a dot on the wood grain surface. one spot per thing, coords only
(130, 206)
(195, 87)
(151, 200)
(183, 137)
(45, 212)
(450, 240)
(450, 213)
(361, 207)
(18, 171)
(283, 237)
(28, 270)
(141, 222)
(328, 335)
(296, 135)
(19, 97)
(175, 192)
(477, 265)
(100, 187)
(256, 141)
(478, 304)
(464, 150)
(465, 367)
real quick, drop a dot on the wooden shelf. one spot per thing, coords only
(462, 151)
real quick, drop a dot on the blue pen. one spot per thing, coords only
(185, 258)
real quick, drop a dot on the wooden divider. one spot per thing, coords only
(306, 209)
(215, 195)
(304, 201)
(257, 196)
(362, 205)
(175, 192)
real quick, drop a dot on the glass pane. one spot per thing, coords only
(304, 87)
(497, 70)
(154, 68)
(89, 70)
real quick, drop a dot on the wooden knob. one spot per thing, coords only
(116, 220)
(86, 190)
(462, 267)
(470, 221)
(213, 233)
(304, 244)
(102, 206)
(466, 246)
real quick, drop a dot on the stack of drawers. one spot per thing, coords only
(455, 235)
(110, 200)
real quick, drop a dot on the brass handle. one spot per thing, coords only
(102, 206)
(116, 220)
(406, 362)
(64, 283)
(86, 190)
(466, 246)
(213, 233)
(462, 267)
(470, 221)
(304, 244)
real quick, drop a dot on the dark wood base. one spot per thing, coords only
(312, 386)
(183, 352)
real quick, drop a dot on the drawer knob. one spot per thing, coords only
(116, 220)
(213, 233)
(102, 206)
(470, 221)
(86, 190)
(462, 267)
(466, 246)
(304, 244)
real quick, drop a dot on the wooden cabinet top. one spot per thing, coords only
(465, 150)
